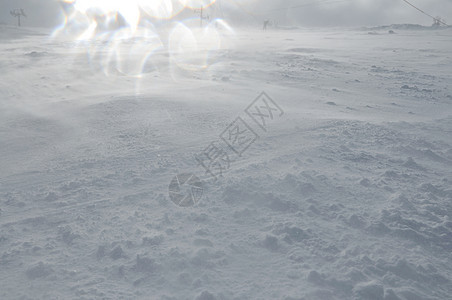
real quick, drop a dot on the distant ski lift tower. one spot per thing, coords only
(200, 11)
(437, 21)
(17, 13)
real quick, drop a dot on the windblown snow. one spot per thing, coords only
(347, 195)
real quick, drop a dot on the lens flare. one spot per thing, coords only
(133, 11)
(192, 48)
(125, 52)
(161, 9)
(129, 10)
(121, 36)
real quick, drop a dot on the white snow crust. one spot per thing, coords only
(348, 195)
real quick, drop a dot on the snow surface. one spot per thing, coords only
(347, 195)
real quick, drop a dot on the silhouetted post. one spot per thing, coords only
(438, 21)
(17, 13)
(200, 11)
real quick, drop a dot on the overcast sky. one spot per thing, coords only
(46, 13)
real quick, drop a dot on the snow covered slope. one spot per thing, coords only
(347, 195)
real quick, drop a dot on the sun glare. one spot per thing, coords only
(133, 11)
(123, 35)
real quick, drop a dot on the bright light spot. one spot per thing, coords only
(131, 10)
(190, 48)
(122, 35)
